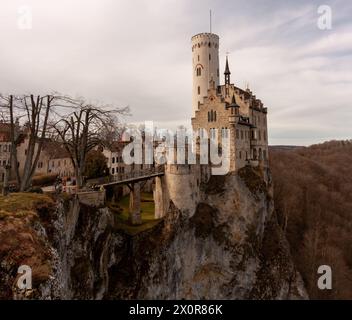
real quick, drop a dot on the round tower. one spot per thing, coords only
(205, 62)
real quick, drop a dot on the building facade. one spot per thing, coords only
(5, 148)
(219, 107)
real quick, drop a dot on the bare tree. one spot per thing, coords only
(84, 129)
(34, 112)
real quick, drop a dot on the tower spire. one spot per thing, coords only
(227, 71)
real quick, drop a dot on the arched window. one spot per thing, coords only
(198, 89)
(211, 116)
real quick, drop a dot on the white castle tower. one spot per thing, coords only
(205, 60)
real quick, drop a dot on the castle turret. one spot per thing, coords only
(205, 59)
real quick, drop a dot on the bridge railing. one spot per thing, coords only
(135, 174)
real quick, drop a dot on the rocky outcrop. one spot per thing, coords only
(229, 247)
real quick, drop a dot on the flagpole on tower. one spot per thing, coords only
(210, 20)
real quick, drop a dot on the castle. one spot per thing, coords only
(225, 108)
(219, 107)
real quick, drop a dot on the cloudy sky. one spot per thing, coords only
(138, 53)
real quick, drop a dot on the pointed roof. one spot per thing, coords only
(233, 103)
(227, 69)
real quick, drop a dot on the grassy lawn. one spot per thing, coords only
(20, 204)
(147, 211)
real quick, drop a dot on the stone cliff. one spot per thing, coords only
(226, 245)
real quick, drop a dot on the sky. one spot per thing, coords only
(138, 54)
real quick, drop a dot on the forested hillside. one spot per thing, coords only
(313, 200)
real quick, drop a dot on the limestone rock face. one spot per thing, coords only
(228, 247)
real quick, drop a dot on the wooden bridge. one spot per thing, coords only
(133, 177)
(133, 181)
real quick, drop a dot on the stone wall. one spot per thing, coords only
(92, 198)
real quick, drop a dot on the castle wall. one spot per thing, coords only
(181, 186)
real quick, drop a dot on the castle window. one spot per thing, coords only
(199, 72)
(231, 110)
(224, 132)
(198, 104)
(211, 116)
(208, 116)
(113, 171)
(241, 134)
(209, 56)
(198, 57)
(198, 89)
(260, 135)
(237, 134)
(113, 159)
(214, 115)
(213, 133)
(264, 154)
(240, 155)
(264, 135)
(209, 46)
